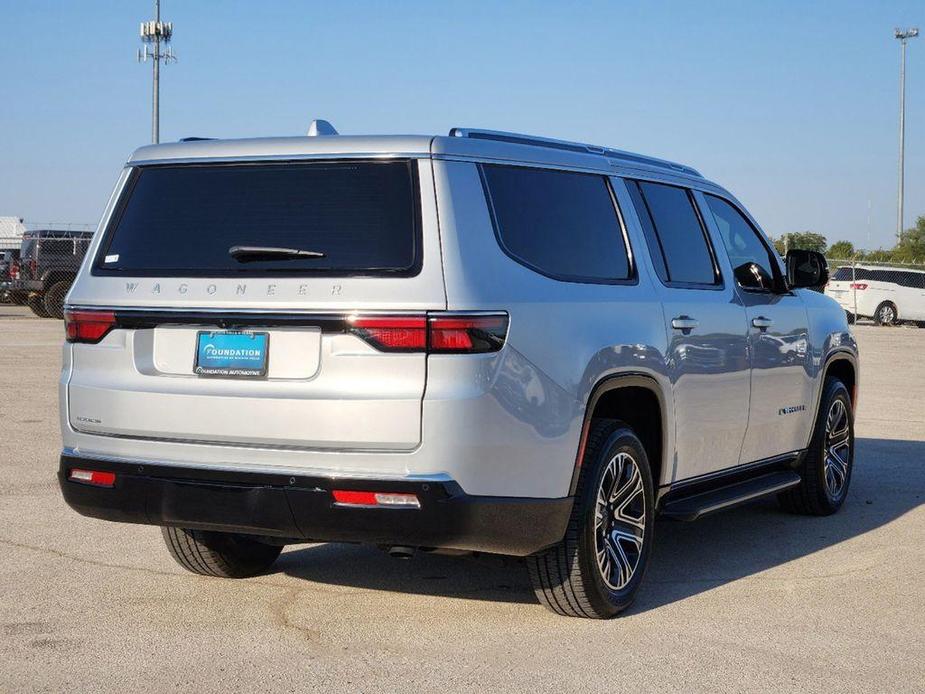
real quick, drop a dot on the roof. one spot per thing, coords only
(461, 143)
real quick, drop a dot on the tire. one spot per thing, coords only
(567, 578)
(18, 298)
(886, 314)
(827, 465)
(37, 305)
(852, 319)
(54, 299)
(224, 555)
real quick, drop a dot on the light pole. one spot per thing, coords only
(152, 34)
(903, 35)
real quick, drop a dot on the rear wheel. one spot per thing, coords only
(225, 555)
(851, 317)
(826, 468)
(597, 568)
(54, 299)
(37, 305)
(886, 314)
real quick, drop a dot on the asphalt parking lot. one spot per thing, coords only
(749, 600)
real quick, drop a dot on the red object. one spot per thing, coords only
(859, 285)
(97, 478)
(88, 326)
(455, 333)
(14, 270)
(392, 333)
(346, 497)
(351, 498)
(435, 333)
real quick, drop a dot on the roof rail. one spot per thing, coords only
(580, 147)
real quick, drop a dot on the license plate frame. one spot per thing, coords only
(248, 354)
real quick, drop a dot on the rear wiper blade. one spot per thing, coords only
(249, 254)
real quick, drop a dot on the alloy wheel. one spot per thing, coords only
(619, 521)
(887, 315)
(837, 449)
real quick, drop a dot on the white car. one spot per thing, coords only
(886, 294)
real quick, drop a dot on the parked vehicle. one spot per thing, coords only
(9, 270)
(488, 342)
(889, 295)
(49, 260)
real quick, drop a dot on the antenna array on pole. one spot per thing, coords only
(153, 33)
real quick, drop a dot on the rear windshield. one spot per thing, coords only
(356, 218)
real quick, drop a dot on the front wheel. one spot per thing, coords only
(827, 465)
(225, 555)
(598, 566)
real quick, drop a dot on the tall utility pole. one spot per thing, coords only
(903, 35)
(154, 33)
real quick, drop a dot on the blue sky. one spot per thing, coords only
(791, 105)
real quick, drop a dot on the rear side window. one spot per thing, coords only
(559, 223)
(675, 234)
(842, 274)
(357, 218)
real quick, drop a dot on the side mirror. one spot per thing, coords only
(753, 277)
(806, 269)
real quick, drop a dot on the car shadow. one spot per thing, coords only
(688, 558)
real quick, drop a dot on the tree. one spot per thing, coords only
(805, 240)
(841, 249)
(911, 246)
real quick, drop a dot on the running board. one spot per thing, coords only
(688, 508)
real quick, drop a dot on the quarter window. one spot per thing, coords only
(559, 223)
(677, 240)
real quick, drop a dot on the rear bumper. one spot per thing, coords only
(301, 508)
(27, 285)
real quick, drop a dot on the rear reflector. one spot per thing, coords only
(88, 326)
(450, 333)
(97, 478)
(859, 285)
(346, 497)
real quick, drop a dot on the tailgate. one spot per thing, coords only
(327, 241)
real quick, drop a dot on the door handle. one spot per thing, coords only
(762, 323)
(684, 323)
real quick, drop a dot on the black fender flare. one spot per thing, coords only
(608, 384)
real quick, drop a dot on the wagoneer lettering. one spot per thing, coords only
(485, 342)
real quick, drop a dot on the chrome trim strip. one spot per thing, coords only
(267, 469)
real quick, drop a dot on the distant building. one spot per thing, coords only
(11, 230)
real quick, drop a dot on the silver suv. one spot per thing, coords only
(487, 341)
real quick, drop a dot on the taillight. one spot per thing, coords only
(88, 326)
(450, 333)
(392, 333)
(859, 285)
(347, 497)
(33, 267)
(97, 478)
(461, 334)
(14, 271)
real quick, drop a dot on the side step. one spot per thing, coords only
(688, 508)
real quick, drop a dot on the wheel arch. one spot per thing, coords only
(638, 400)
(844, 366)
